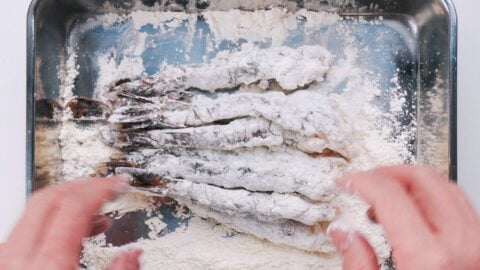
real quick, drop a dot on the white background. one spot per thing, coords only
(12, 106)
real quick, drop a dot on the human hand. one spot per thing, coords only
(427, 219)
(49, 234)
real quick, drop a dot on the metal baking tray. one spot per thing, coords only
(424, 32)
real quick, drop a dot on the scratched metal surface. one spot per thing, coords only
(415, 39)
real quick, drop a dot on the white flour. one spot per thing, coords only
(291, 68)
(267, 206)
(156, 226)
(432, 146)
(254, 26)
(131, 202)
(202, 244)
(82, 150)
(282, 171)
(205, 245)
(129, 66)
(224, 26)
(69, 76)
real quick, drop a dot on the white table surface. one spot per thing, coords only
(12, 106)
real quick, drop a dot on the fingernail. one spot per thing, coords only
(100, 224)
(342, 236)
(100, 220)
(122, 187)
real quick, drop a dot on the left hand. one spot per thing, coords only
(49, 234)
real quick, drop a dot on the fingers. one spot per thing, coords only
(466, 208)
(3, 265)
(394, 208)
(431, 192)
(128, 260)
(357, 254)
(30, 230)
(99, 225)
(72, 218)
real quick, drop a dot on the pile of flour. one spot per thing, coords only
(203, 244)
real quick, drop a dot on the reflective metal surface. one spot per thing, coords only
(416, 38)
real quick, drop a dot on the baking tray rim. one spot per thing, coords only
(30, 89)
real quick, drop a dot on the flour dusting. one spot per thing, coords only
(257, 123)
(206, 245)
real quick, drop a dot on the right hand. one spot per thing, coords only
(427, 219)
